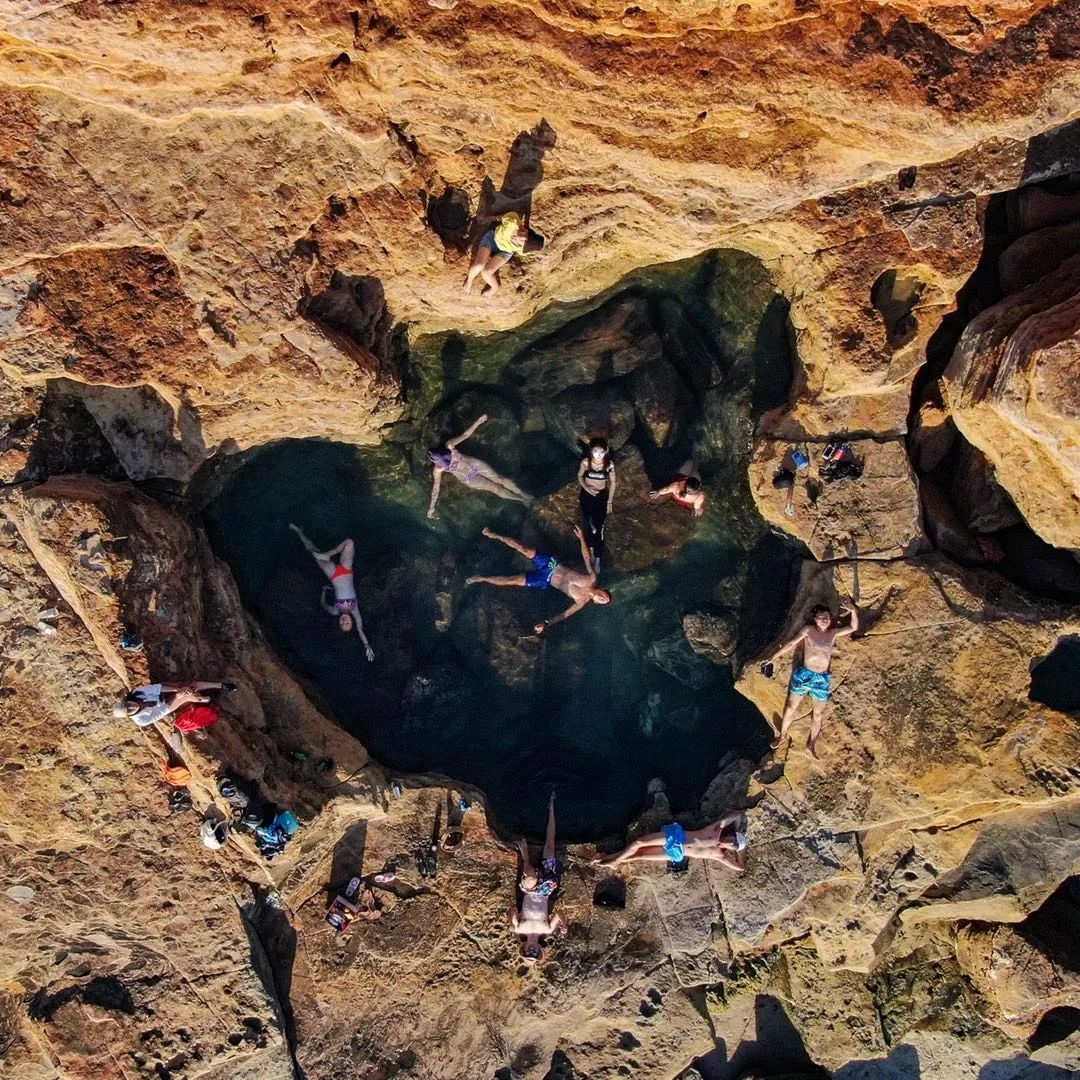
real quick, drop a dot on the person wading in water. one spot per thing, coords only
(596, 475)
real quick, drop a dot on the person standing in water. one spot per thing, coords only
(342, 583)
(472, 472)
(512, 236)
(596, 475)
(722, 841)
(538, 885)
(580, 587)
(685, 489)
(812, 677)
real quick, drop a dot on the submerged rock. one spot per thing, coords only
(584, 412)
(712, 636)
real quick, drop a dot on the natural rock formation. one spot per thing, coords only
(1013, 393)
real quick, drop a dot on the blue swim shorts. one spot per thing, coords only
(815, 683)
(540, 578)
(488, 241)
(674, 838)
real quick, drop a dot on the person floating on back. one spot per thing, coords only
(596, 476)
(472, 472)
(547, 571)
(812, 676)
(342, 583)
(512, 236)
(722, 841)
(685, 489)
(147, 705)
(538, 886)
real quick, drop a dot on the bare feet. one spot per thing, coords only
(471, 580)
(811, 745)
(779, 742)
(485, 531)
(468, 285)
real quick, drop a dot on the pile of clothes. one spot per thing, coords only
(271, 827)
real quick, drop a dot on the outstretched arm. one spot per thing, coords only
(585, 553)
(436, 484)
(562, 617)
(468, 432)
(667, 489)
(329, 608)
(610, 488)
(789, 645)
(847, 631)
(359, 623)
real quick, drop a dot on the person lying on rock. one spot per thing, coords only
(812, 676)
(547, 571)
(722, 841)
(685, 489)
(343, 584)
(596, 477)
(147, 705)
(472, 472)
(512, 236)
(538, 884)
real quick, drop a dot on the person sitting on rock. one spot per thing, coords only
(343, 584)
(512, 236)
(722, 841)
(147, 705)
(812, 677)
(596, 477)
(538, 884)
(685, 489)
(472, 472)
(547, 571)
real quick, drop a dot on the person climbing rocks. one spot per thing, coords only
(512, 236)
(722, 841)
(472, 472)
(343, 584)
(539, 883)
(147, 705)
(596, 476)
(547, 571)
(685, 489)
(812, 676)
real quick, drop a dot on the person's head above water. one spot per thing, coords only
(531, 949)
(600, 596)
(821, 616)
(439, 456)
(598, 447)
(345, 622)
(693, 483)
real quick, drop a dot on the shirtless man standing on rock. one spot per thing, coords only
(812, 676)
(547, 571)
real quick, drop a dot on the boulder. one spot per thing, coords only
(982, 503)
(582, 412)
(613, 340)
(675, 655)
(931, 438)
(1012, 389)
(712, 636)
(1034, 256)
(1032, 208)
(661, 400)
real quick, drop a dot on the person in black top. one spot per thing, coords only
(596, 475)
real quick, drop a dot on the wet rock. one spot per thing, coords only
(674, 655)
(497, 442)
(1012, 391)
(692, 350)
(637, 533)
(712, 636)
(1034, 256)
(583, 412)
(493, 630)
(661, 400)
(613, 340)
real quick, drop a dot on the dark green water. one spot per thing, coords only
(460, 686)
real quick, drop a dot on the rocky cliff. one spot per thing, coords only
(226, 224)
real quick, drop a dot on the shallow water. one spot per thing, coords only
(460, 685)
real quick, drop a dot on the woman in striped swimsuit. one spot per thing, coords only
(340, 574)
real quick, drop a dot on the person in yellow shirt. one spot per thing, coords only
(512, 236)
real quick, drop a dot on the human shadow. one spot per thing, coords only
(776, 1048)
(348, 858)
(524, 171)
(901, 1064)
